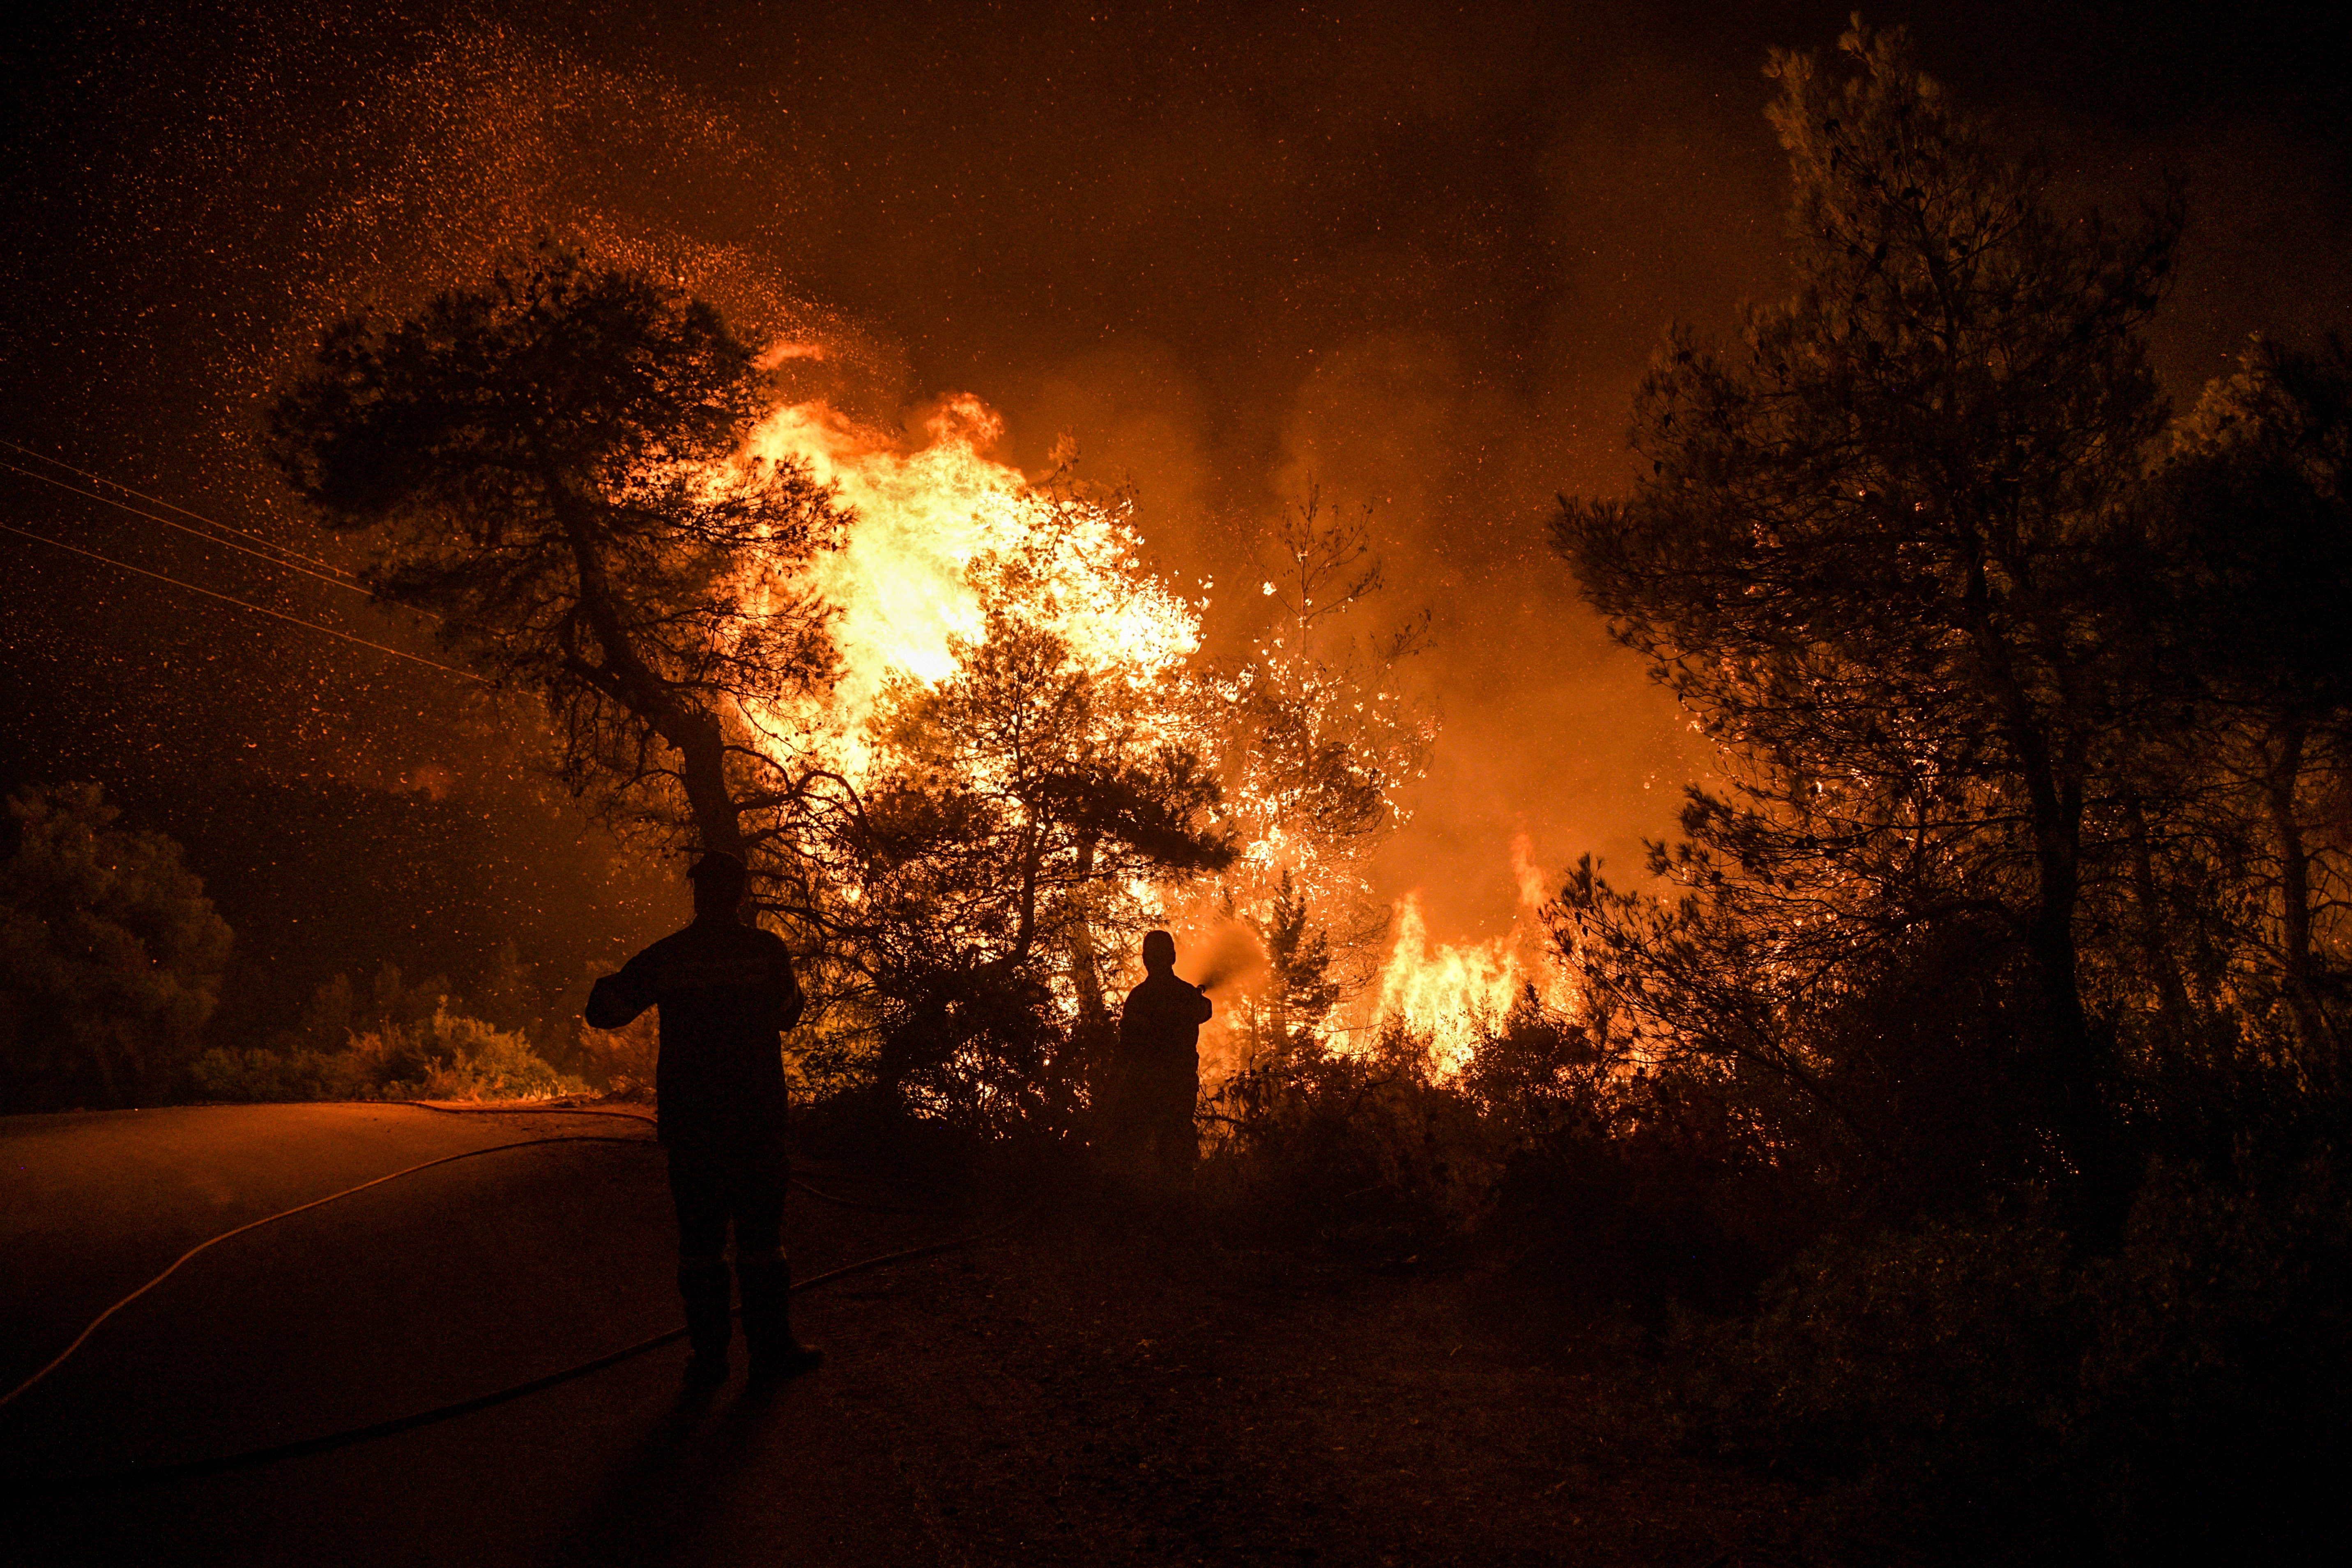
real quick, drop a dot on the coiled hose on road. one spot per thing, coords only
(189, 1469)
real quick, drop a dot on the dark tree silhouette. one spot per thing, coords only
(110, 955)
(1870, 553)
(1285, 1022)
(1017, 799)
(549, 464)
(2253, 553)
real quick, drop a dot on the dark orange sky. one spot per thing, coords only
(1417, 253)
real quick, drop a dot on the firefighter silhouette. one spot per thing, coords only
(726, 993)
(1156, 1072)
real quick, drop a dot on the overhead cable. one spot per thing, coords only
(170, 506)
(343, 583)
(248, 604)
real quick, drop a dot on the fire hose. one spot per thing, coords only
(190, 1469)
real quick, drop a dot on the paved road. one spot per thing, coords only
(1095, 1386)
(466, 1278)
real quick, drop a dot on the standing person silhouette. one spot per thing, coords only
(727, 994)
(1158, 1076)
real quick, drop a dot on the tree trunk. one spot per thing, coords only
(693, 732)
(2075, 1107)
(2279, 782)
(2157, 952)
(701, 748)
(1086, 971)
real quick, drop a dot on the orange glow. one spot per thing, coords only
(1452, 993)
(935, 523)
(944, 532)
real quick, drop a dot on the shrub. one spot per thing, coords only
(1931, 1371)
(445, 1057)
(110, 955)
(2212, 1424)
(451, 1057)
(265, 1076)
(1368, 1151)
(622, 1059)
(1986, 1386)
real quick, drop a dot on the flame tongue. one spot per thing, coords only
(908, 584)
(1454, 994)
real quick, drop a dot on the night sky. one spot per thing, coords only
(1417, 253)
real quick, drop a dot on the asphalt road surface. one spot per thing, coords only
(1103, 1384)
(451, 1282)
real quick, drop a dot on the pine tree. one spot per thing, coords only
(549, 464)
(1871, 554)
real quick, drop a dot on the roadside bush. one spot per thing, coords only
(621, 1061)
(444, 1057)
(450, 1056)
(271, 1077)
(1985, 1387)
(110, 955)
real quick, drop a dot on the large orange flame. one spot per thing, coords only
(911, 584)
(1450, 994)
(902, 585)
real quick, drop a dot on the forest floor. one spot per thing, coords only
(1085, 1384)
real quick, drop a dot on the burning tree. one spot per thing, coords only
(1015, 813)
(1317, 739)
(552, 464)
(956, 729)
(590, 483)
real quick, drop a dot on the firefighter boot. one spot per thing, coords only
(708, 1323)
(776, 1355)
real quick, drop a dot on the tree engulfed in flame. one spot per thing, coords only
(962, 738)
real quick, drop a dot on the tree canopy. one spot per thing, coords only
(548, 462)
(1874, 549)
(110, 955)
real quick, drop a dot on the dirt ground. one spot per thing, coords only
(1088, 1394)
(1089, 1384)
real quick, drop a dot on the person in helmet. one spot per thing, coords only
(1156, 1073)
(726, 993)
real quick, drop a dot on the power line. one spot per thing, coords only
(342, 583)
(246, 605)
(172, 506)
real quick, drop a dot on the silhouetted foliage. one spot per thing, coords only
(1986, 1386)
(398, 1041)
(550, 464)
(1871, 553)
(110, 956)
(1285, 1018)
(1017, 801)
(1365, 1152)
(2011, 974)
(2244, 836)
